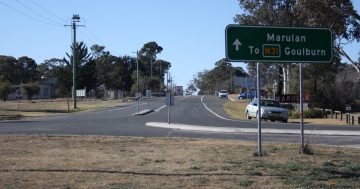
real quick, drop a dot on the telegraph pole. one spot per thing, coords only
(75, 19)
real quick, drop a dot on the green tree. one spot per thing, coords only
(9, 71)
(124, 66)
(148, 55)
(160, 68)
(28, 69)
(87, 76)
(218, 78)
(84, 57)
(30, 89)
(5, 88)
(105, 65)
(338, 15)
(62, 71)
(98, 50)
(43, 70)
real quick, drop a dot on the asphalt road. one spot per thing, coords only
(190, 110)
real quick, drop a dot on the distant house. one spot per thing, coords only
(46, 91)
(16, 93)
(246, 82)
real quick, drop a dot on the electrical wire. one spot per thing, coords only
(96, 39)
(47, 11)
(36, 13)
(87, 37)
(28, 16)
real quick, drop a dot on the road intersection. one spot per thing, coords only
(192, 116)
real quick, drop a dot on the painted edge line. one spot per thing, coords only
(158, 110)
(217, 115)
(249, 130)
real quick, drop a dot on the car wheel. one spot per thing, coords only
(273, 120)
(247, 115)
(285, 120)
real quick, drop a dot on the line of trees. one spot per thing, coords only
(329, 85)
(221, 77)
(96, 67)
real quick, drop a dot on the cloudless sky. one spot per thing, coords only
(191, 32)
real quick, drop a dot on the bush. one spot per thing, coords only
(31, 89)
(311, 113)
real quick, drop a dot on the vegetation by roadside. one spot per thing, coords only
(236, 110)
(122, 162)
(35, 108)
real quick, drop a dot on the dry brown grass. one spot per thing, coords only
(25, 108)
(122, 162)
(236, 110)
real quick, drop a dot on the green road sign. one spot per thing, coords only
(278, 44)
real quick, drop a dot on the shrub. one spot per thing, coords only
(311, 113)
(31, 89)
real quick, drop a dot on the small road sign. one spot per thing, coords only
(278, 44)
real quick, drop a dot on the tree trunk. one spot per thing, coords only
(286, 78)
(68, 101)
(280, 82)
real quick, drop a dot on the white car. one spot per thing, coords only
(223, 94)
(270, 109)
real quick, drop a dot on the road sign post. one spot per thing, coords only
(278, 44)
(258, 94)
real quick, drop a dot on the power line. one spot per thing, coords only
(34, 12)
(28, 16)
(47, 11)
(92, 34)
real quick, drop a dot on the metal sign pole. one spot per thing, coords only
(168, 95)
(301, 109)
(259, 108)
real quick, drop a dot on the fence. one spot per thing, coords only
(350, 119)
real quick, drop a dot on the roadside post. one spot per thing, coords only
(259, 108)
(302, 140)
(169, 103)
(348, 109)
(137, 98)
(148, 95)
(268, 44)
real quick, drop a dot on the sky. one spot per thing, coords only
(191, 32)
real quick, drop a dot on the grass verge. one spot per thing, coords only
(236, 110)
(35, 108)
(123, 162)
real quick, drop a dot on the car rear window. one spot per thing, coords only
(270, 103)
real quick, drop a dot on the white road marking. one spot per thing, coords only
(250, 130)
(217, 115)
(117, 109)
(158, 110)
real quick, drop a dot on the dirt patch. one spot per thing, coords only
(124, 162)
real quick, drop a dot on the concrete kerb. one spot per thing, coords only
(249, 130)
(143, 112)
